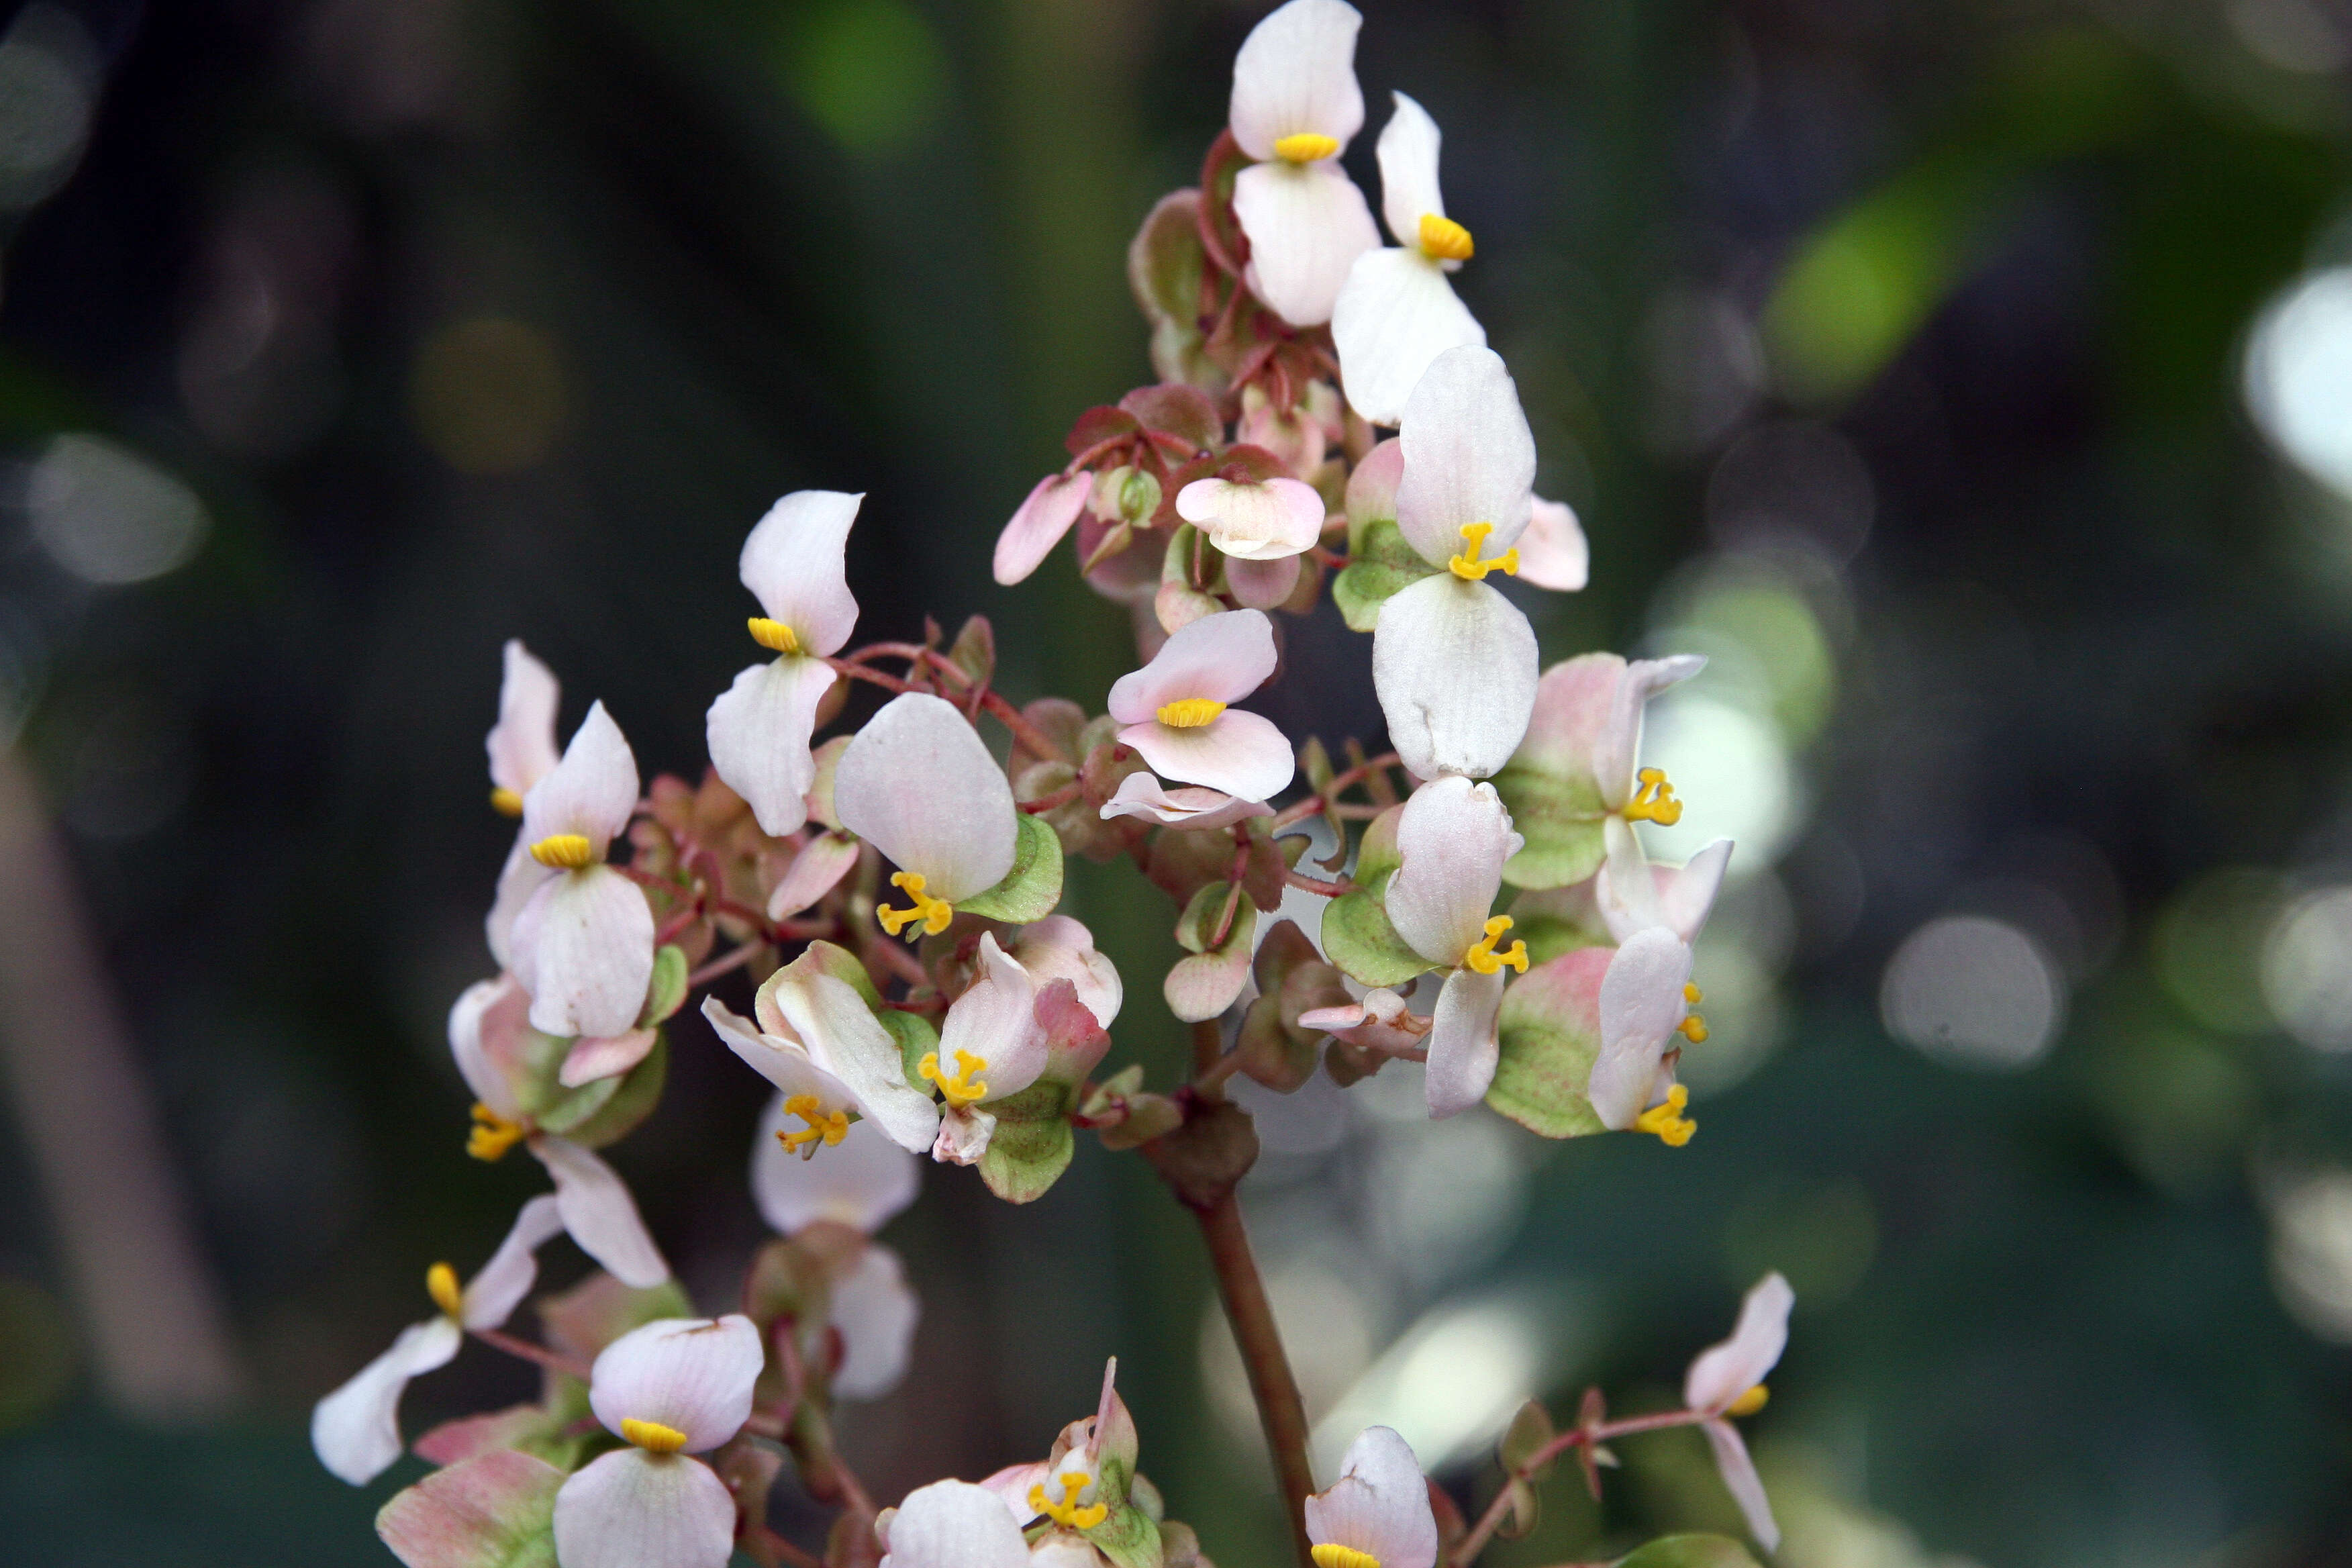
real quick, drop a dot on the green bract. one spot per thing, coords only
(1032, 1145)
(1030, 890)
(1559, 818)
(1551, 1031)
(1381, 567)
(493, 1511)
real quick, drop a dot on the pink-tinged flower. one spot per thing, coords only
(1269, 520)
(1060, 948)
(918, 783)
(992, 1046)
(1069, 1489)
(1728, 1380)
(671, 1389)
(1452, 840)
(1295, 106)
(1397, 312)
(1552, 551)
(953, 1524)
(1588, 723)
(758, 730)
(1187, 806)
(859, 1184)
(1634, 894)
(1646, 1001)
(1052, 504)
(582, 943)
(521, 744)
(1377, 1514)
(1454, 662)
(815, 1038)
(1175, 708)
(1381, 1022)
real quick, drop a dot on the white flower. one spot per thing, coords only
(1296, 105)
(1176, 710)
(1453, 838)
(857, 1185)
(1254, 521)
(583, 944)
(918, 784)
(1377, 1509)
(1728, 1380)
(953, 1524)
(1655, 913)
(814, 1036)
(521, 744)
(990, 1048)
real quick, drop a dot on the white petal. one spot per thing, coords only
(1188, 806)
(1686, 893)
(1463, 1045)
(793, 563)
(919, 785)
(1453, 838)
(1222, 658)
(522, 744)
(1626, 889)
(492, 1295)
(995, 1023)
(518, 878)
(692, 1374)
(876, 1310)
(1408, 154)
(1619, 744)
(583, 948)
(1382, 1021)
(786, 1063)
(1642, 1003)
(1264, 522)
(356, 1429)
(859, 1182)
(485, 1028)
(1059, 948)
(817, 869)
(1306, 225)
(954, 1524)
(845, 1039)
(1380, 1505)
(1453, 663)
(1469, 456)
(1552, 551)
(633, 1509)
(1721, 1374)
(593, 791)
(600, 1214)
(1241, 754)
(1297, 73)
(1740, 1479)
(757, 732)
(1052, 504)
(964, 1134)
(1393, 317)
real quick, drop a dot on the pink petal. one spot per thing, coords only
(954, 1524)
(1721, 1374)
(1380, 1504)
(592, 791)
(583, 948)
(860, 1182)
(918, 784)
(1297, 73)
(784, 1062)
(1552, 551)
(599, 1212)
(635, 1509)
(1262, 584)
(817, 869)
(1241, 754)
(1059, 948)
(995, 1021)
(518, 878)
(1739, 1477)
(758, 733)
(1394, 315)
(1371, 489)
(1575, 701)
(876, 1310)
(1262, 522)
(1408, 151)
(491, 1296)
(1469, 456)
(1453, 838)
(793, 562)
(692, 1374)
(594, 1056)
(1642, 1003)
(487, 1029)
(522, 744)
(1052, 505)
(1617, 746)
(846, 1043)
(1188, 806)
(1222, 658)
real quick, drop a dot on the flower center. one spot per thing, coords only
(1749, 1402)
(565, 851)
(1667, 1121)
(774, 635)
(1306, 147)
(1189, 712)
(965, 1087)
(505, 802)
(441, 1284)
(832, 1127)
(935, 913)
(652, 1436)
(1442, 239)
(1482, 958)
(1692, 1027)
(493, 1134)
(1469, 568)
(1067, 1512)
(1654, 799)
(1331, 1554)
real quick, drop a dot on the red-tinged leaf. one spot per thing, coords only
(1174, 409)
(1097, 424)
(454, 1442)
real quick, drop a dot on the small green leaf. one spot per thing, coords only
(1383, 566)
(1030, 890)
(1526, 1509)
(1203, 985)
(1377, 855)
(1530, 1430)
(1032, 1145)
(667, 993)
(916, 1038)
(1359, 938)
(974, 650)
(1128, 1538)
(1560, 819)
(495, 1510)
(1549, 1030)
(594, 1121)
(1689, 1551)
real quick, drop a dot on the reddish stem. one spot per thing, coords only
(1316, 885)
(1492, 1519)
(537, 1354)
(1062, 796)
(735, 959)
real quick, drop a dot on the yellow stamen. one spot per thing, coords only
(1442, 239)
(774, 635)
(1304, 147)
(830, 1126)
(505, 802)
(1654, 799)
(1667, 1121)
(493, 1134)
(1693, 1029)
(1469, 567)
(965, 1088)
(652, 1436)
(1189, 712)
(1693, 995)
(441, 1284)
(935, 913)
(1067, 1512)
(1749, 1402)
(1482, 958)
(563, 851)
(1331, 1554)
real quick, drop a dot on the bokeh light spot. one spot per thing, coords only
(1730, 769)
(488, 395)
(1973, 993)
(872, 72)
(2307, 969)
(108, 515)
(2298, 376)
(2209, 941)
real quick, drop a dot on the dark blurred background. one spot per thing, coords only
(1972, 381)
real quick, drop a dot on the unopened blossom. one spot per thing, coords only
(815, 1038)
(1452, 839)
(1191, 807)
(1254, 519)
(919, 783)
(672, 1389)
(1454, 661)
(583, 944)
(1382, 1021)
(953, 1524)
(1398, 311)
(1061, 948)
(1377, 1514)
(1295, 106)
(1175, 710)
(859, 1186)
(1038, 524)
(759, 729)
(1728, 1380)
(521, 744)
(992, 1046)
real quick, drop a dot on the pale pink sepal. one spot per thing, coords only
(594, 1057)
(1552, 551)
(1739, 1477)
(1263, 584)
(1253, 520)
(1452, 838)
(583, 948)
(356, 1429)
(521, 745)
(1721, 1374)
(692, 1374)
(1052, 505)
(1010, 1486)
(1576, 702)
(1383, 1022)
(995, 1022)
(1454, 664)
(860, 1182)
(758, 733)
(1307, 224)
(794, 561)
(599, 1212)
(1642, 1003)
(631, 1509)
(1469, 456)
(876, 1311)
(491, 1296)
(918, 784)
(1060, 948)
(817, 869)
(592, 791)
(1371, 489)
(954, 1524)
(1188, 806)
(1378, 1505)
(1296, 73)
(487, 1024)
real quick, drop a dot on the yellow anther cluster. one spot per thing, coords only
(1749, 1402)
(934, 913)
(774, 635)
(1470, 568)
(1067, 1512)
(1442, 239)
(1304, 147)
(505, 802)
(965, 1087)
(1693, 1029)
(563, 851)
(1331, 1554)
(832, 1127)
(1667, 1121)
(492, 1135)
(1654, 799)
(441, 1284)
(1482, 958)
(1189, 712)
(652, 1436)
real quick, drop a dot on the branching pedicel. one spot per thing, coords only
(893, 894)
